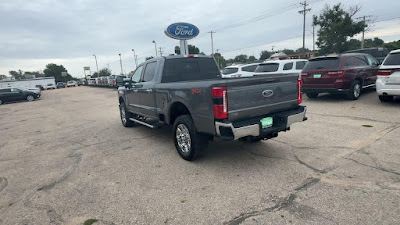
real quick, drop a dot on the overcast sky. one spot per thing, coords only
(37, 32)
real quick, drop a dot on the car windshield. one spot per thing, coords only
(392, 59)
(229, 71)
(267, 67)
(322, 63)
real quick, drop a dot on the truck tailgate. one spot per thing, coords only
(261, 95)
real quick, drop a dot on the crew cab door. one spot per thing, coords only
(132, 93)
(146, 93)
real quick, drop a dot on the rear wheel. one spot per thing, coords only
(188, 142)
(385, 98)
(355, 90)
(30, 98)
(1, 102)
(312, 95)
(125, 116)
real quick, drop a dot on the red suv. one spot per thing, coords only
(345, 73)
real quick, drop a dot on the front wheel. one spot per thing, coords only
(355, 90)
(188, 142)
(29, 98)
(385, 98)
(1, 102)
(125, 116)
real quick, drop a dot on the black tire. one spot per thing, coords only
(385, 98)
(125, 116)
(312, 95)
(1, 101)
(355, 90)
(30, 98)
(198, 142)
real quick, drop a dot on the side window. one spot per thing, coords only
(249, 68)
(15, 90)
(149, 72)
(362, 61)
(288, 66)
(351, 62)
(371, 61)
(5, 90)
(136, 76)
(300, 65)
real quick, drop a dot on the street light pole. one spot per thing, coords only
(97, 66)
(155, 44)
(120, 61)
(134, 56)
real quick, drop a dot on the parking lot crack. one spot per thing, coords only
(3, 183)
(282, 204)
(374, 167)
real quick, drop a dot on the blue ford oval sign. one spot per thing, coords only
(182, 31)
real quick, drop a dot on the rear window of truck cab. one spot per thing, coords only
(190, 69)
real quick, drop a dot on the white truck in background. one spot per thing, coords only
(29, 83)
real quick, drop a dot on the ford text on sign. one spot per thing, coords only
(182, 31)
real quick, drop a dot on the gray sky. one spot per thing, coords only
(37, 32)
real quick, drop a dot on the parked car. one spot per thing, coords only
(60, 85)
(189, 94)
(72, 83)
(378, 53)
(239, 71)
(79, 83)
(92, 81)
(347, 73)
(388, 81)
(15, 94)
(281, 67)
(111, 81)
(50, 86)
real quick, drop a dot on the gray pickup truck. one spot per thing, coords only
(188, 93)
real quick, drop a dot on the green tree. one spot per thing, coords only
(220, 60)
(2, 77)
(16, 74)
(301, 50)
(392, 45)
(241, 58)
(288, 51)
(105, 72)
(192, 50)
(265, 55)
(54, 70)
(336, 27)
(251, 58)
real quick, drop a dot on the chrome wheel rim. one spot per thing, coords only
(123, 115)
(183, 138)
(357, 90)
(30, 98)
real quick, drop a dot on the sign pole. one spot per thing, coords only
(184, 47)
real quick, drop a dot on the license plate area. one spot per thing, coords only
(317, 75)
(267, 122)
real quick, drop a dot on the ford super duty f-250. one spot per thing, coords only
(188, 93)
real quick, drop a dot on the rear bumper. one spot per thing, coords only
(383, 88)
(323, 90)
(252, 127)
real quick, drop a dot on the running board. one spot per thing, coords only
(146, 124)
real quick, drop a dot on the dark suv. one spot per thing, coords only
(345, 73)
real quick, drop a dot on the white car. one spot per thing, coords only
(72, 83)
(49, 86)
(281, 66)
(239, 71)
(388, 81)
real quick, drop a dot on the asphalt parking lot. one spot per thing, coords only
(66, 158)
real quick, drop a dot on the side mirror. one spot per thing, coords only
(127, 82)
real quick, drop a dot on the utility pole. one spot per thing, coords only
(134, 56)
(161, 52)
(313, 38)
(212, 42)
(219, 65)
(363, 32)
(155, 45)
(97, 66)
(304, 12)
(120, 61)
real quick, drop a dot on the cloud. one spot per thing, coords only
(38, 32)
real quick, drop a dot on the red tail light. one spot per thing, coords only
(385, 72)
(220, 100)
(337, 73)
(299, 94)
(304, 74)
